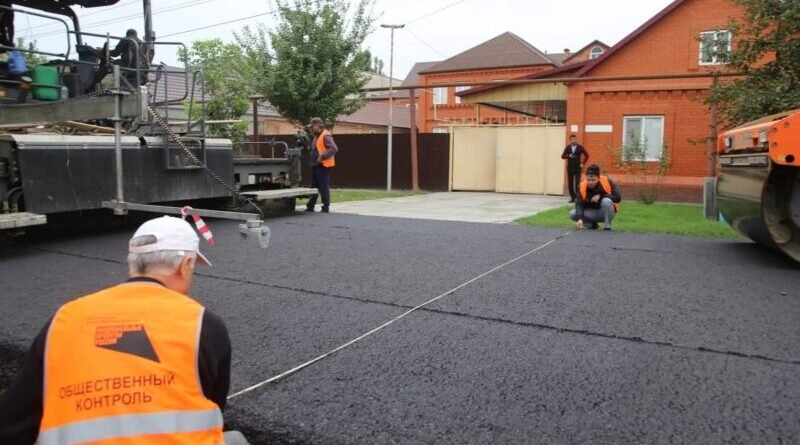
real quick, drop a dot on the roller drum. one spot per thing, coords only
(763, 204)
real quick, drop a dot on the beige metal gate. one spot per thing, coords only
(508, 159)
(474, 152)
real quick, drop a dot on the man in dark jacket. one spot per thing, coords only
(126, 50)
(598, 201)
(576, 156)
(323, 159)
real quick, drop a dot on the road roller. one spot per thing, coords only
(758, 190)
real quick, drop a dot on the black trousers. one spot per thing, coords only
(321, 181)
(573, 181)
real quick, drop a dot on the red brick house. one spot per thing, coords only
(666, 114)
(663, 114)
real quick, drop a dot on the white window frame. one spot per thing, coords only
(441, 130)
(439, 94)
(715, 60)
(644, 118)
(460, 89)
(596, 52)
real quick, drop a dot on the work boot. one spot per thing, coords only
(326, 210)
(309, 210)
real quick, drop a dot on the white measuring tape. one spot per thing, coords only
(390, 322)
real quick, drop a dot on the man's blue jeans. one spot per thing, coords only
(321, 181)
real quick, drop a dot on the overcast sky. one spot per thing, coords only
(439, 28)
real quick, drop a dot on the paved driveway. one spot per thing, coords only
(455, 206)
(658, 339)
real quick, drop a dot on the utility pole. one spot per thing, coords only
(256, 124)
(391, 105)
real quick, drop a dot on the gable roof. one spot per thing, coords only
(412, 78)
(379, 81)
(372, 113)
(504, 51)
(593, 43)
(557, 58)
(540, 75)
(377, 114)
(632, 36)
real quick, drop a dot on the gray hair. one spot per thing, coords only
(164, 262)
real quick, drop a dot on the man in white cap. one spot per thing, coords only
(140, 362)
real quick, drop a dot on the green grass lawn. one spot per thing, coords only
(345, 195)
(673, 219)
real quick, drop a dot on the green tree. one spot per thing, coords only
(229, 74)
(767, 49)
(316, 65)
(377, 65)
(30, 58)
(374, 63)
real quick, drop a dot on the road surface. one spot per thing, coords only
(597, 338)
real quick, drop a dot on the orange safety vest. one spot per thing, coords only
(120, 367)
(605, 183)
(331, 161)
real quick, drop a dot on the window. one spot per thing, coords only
(596, 52)
(440, 130)
(440, 96)
(645, 133)
(458, 90)
(714, 47)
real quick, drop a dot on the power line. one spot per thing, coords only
(43, 27)
(419, 39)
(217, 24)
(443, 8)
(175, 7)
(425, 16)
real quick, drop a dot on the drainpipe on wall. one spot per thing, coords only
(710, 208)
(412, 94)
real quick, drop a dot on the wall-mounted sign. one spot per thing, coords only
(599, 128)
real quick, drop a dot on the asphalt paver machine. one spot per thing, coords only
(82, 132)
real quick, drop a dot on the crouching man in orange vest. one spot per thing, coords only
(598, 201)
(138, 363)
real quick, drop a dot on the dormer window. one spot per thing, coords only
(596, 52)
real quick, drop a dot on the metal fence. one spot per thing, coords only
(361, 162)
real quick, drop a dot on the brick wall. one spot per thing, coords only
(671, 46)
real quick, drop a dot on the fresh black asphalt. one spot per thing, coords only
(598, 338)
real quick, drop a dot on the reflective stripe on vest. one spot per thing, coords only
(120, 367)
(604, 183)
(130, 425)
(331, 161)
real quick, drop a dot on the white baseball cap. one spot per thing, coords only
(172, 234)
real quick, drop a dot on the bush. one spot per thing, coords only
(647, 173)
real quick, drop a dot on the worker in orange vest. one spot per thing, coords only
(323, 159)
(137, 363)
(598, 201)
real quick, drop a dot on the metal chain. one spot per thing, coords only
(174, 138)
